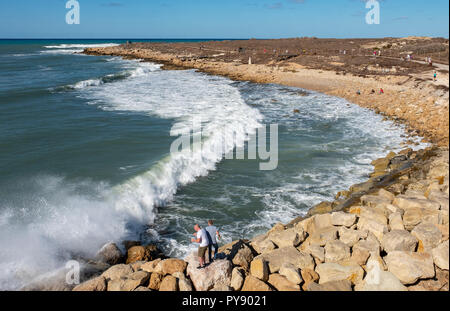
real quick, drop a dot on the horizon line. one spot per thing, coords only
(252, 38)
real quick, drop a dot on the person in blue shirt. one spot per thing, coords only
(215, 236)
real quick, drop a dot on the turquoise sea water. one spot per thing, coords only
(85, 154)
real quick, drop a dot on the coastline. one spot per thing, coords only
(422, 107)
(338, 244)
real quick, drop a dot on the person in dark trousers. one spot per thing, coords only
(214, 234)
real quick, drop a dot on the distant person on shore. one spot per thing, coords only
(215, 235)
(435, 76)
(201, 236)
(381, 91)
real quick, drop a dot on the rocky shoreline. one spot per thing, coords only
(389, 233)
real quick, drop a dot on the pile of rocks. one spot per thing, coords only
(388, 234)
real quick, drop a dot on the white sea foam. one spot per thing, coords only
(55, 52)
(131, 71)
(87, 83)
(72, 48)
(179, 95)
(80, 46)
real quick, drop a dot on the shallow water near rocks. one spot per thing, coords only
(85, 155)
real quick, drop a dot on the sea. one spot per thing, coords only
(86, 154)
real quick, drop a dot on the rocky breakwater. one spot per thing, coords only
(387, 234)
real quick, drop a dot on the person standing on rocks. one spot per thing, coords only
(214, 235)
(202, 238)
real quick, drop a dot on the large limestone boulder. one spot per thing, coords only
(362, 250)
(291, 273)
(439, 197)
(277, 227)
(428, 234)
(378, 214)
(130, 282)
(439, 283)
(374, 200)
(169, 284)
(253, 284)
(309, 276)
(443, 217)
(336, 251)
(379, 280)
(136, 266)
(412, 217)
(97, 284)
(386, 194)
(305, 225)
(243, 256)
(409, 267)
(440, 255)
(143, 253)
(351, 237)
(184, 284)
(369, 244)
(237, 279)
(289, 237)
(321, 208)
(360, 256)
(127, 244)
(399, 240)
(329, 272)
(259, 269)
(216, 274)
(155, 281)
(172, 265)
(110, 254)
(117, 272)
(444, 231)
(405, 203)
(318, 252)
(290, 254)
(343, 219)
(261, 244)
(322, 236)
(377, 228)
(321, 221)
(281, 283)
(333, 286)
(152, 266)
(396, 221)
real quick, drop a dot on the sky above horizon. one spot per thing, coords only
(232, 19)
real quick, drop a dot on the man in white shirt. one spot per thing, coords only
(215, 235)
(201, 237)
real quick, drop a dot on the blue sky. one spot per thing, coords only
(222, 19)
